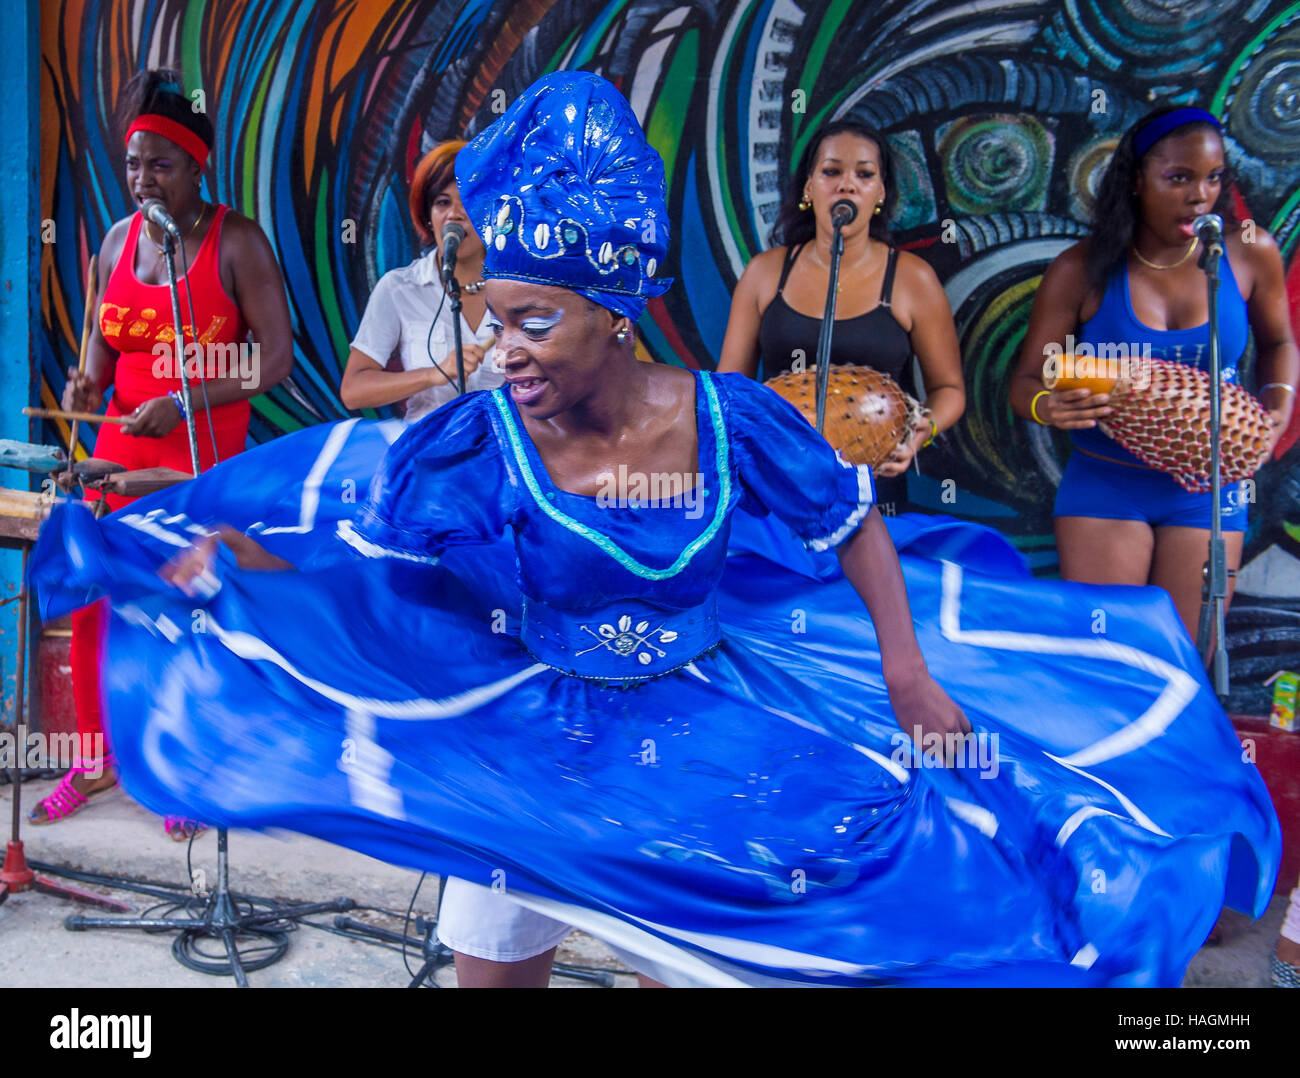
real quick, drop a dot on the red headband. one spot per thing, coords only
(178, 133)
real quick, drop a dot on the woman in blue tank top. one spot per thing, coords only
(889, 307)
(1134, 287)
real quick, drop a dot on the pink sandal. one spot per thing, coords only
(181, 828)
(65, 801)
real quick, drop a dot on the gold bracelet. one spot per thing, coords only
(1033, 405)
(934, 433)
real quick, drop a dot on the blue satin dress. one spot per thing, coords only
(668, 724)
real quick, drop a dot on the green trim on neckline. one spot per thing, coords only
(721, 463)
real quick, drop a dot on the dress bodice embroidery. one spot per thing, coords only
(646, 606)
(620, 585)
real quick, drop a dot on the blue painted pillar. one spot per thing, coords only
(20, 264)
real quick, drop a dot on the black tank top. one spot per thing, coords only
(874, 339)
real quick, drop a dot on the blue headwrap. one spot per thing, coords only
(565, 190)
(1153, 131)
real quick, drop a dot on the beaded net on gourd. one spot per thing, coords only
(1165, 422)
(867, 415)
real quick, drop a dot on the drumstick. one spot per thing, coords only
(85, 347)
(76, 417)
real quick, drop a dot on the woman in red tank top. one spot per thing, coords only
(135, 320)
(240, 323)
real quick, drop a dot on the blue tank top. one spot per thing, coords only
(1116, 324)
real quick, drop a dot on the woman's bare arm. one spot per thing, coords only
(870, 563)
(1268, 309)
(195, 562)
(1056, 313)
(921, 300)
(84, 392)
(366, 384)
(740, 350)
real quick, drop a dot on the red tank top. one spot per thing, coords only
(136, 320)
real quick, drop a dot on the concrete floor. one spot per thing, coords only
(116, 835)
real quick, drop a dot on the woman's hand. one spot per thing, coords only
(898, 461)
(474, 354)
(922, 708)
(80, 393)
(153, 419)
(191, 569)
(1073, 409)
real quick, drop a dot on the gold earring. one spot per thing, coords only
(622, 335)
(805, 206)
(877, 209)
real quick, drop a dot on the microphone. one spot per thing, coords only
(843, 213)
(1209, 230)
(155, 211)
(452, 234)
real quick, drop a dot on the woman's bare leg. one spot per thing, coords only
(1180, 555)
(532, 972)
(1094, 550)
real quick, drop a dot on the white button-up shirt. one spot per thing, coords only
(399, 318)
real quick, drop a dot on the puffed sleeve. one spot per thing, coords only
(442, 483)
(788, 469)
(378, 334)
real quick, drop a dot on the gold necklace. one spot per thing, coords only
(1172, 265)
(202, 214)
(839, 281)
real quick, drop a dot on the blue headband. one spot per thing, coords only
(565, 191)
(1149, 134)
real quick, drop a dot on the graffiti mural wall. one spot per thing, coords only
(1001, 115)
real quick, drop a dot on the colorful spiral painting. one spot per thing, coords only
(1002, 117)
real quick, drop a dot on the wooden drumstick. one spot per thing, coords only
(76, 417)
(86, 325)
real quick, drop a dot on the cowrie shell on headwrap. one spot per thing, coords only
(542, 235)
(503, 215)
(606, 251)
(650, 267)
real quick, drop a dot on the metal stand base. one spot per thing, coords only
(250, 933)
(17, 876)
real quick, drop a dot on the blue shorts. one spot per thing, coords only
(1093, 487)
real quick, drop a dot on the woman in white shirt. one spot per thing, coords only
(410, 314)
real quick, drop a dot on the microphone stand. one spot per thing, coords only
(452, 286)
(828, 326)
(251, 931)
(169, 255)
(1214, 585)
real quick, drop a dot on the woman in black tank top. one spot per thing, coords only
(874, 339)
(776, 310)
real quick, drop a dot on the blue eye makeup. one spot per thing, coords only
(537, 327)
(534, 326)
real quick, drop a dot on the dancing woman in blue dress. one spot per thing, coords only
(625, 701)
